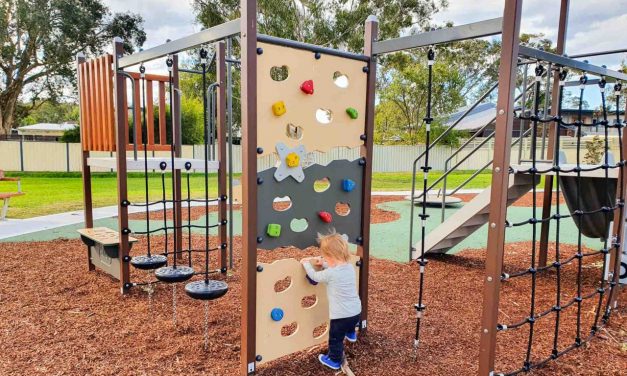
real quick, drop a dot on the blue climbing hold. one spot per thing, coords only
(277, 314)
(348, 185)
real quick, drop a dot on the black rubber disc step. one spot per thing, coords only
(173, 274)
(206, 290)
(149, 262)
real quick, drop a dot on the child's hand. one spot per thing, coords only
(318, 261)
(305, 260)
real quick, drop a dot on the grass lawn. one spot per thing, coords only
(48, 193)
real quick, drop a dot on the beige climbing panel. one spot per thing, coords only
(299, 119)
(103, 235)
(271, 344)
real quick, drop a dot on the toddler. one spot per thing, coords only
(334, 269)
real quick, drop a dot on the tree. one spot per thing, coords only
(333, 23)
(72, 135)
(49, 112)
(42, 39)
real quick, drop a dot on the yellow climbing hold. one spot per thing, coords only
(278, 108)
(292, 160)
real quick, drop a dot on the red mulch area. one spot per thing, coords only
(378, 215)
(524, 201)
(58, 318)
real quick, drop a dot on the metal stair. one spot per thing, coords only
(471, 217)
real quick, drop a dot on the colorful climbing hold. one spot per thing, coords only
(274, 230)
(348, 185)
(307, 87)
(277, 314)
(292, 160)
(326, 217)
(352, 113)
(278, 108)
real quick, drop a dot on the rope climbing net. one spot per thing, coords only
(607, 282)
(174, 229)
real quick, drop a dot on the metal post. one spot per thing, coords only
(121, 122)
(22, 153)
(370, 36)
(548, 179)
(221, 128)
(500, 178)
(521, 123)
(249, 185)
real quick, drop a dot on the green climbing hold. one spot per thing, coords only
(352, 113)
(274, 230)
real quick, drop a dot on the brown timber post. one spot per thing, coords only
(619, 226)
(178, 153)
(222, 166)
(85, 169)
(121, 126)
(370, 36)
(249, 184)
(500, 179)
(548, 179)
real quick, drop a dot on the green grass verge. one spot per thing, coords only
(48, 193)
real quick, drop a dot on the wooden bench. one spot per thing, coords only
(6, 196)
(103, 245)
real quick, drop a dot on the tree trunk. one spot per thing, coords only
(8, 104)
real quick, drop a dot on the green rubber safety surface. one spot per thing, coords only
(388, 240)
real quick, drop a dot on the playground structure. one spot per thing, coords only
(293, 104)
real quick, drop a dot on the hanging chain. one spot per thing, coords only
(206, 325)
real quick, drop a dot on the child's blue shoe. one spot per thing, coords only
(325, 360)
(352, 336)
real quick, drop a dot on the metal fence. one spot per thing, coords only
(55, 156)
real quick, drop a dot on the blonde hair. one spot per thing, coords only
(334, 245)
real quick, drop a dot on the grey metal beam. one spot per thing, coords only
(469, 31)
(598, 53)
(310, 47)
(206, 36)
(564, 61)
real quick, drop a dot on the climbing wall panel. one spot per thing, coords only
(341, 200)
(331, 87)
(304, 308)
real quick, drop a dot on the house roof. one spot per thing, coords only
(477, 118)
(45, 129)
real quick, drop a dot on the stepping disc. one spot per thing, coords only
(210, 290)
(149, 262)
(172, 274)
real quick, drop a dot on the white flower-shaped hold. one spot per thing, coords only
(291, 162)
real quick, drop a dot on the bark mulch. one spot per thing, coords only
(60, 319)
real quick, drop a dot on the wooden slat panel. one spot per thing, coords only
(92, 107)
(125, 111)
(110, 112)
(151, 77)
(104, 135)
(97, 105)
(150, 115)
(85, 118)
(157, 147)
(138, 114)
(162, 115)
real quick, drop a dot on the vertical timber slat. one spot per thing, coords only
(178, 146)
(500, 180)
(162, 120)
(137, 108)
(121, 119)
(370, 36)
(222, 166)
(150, 115)
(548, 179)
(248, 45)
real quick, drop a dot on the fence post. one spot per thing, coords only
(67, 156)
(22, 154)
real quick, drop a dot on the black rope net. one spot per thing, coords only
(171, 229)
(602, 285)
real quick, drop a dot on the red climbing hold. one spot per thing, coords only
(325, 216)
(307, 87)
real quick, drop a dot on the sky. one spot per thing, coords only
(593, 25)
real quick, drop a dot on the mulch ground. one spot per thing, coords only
(523, 201)
(60, 319)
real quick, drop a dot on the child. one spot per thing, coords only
(344, 303)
